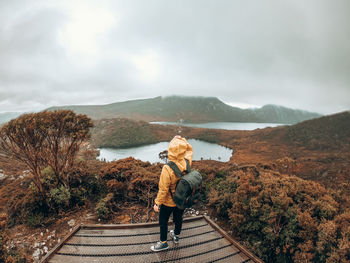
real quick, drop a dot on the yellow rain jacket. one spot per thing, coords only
(179, 150)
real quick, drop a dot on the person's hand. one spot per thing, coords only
(156, 208)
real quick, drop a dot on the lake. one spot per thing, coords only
(201, 150)
(224, 125)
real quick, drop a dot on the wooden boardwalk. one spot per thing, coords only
(201, 240)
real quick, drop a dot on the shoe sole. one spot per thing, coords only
(157, 250)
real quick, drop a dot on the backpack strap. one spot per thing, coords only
(177, 171)
(188, 167)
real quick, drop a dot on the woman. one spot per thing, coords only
(179, 150)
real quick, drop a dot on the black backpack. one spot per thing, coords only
(187, 190)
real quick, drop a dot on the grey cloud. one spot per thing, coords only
(294, 53)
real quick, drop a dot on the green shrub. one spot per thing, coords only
(35, 220)
(77, 196)
(102, 210)
(102, 207)
(93, 187)
(60, 197)
(48, 178)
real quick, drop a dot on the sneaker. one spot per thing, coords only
(159, 246)
(174, 237)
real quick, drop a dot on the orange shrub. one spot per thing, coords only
(282, 218)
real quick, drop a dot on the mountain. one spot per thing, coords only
(7, 116)
(190, 109)
(327, 132)
(280, 114)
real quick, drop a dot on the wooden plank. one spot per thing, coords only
(138, 225)
(131, 259)
(136, 232)
(59, 245)
(206, 253)
(128, 240)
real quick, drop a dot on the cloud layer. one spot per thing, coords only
(293, 53)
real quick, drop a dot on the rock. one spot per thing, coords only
(2, 176)
(36, 254)
(46, 249)
(197, 213)
(36, 244)
(50, 236)
(71, 222)
(42, 234)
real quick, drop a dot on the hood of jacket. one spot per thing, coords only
(177, 149)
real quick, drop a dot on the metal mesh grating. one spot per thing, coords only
(200, 241)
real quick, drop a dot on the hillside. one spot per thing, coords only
(128, 133)
(317, 149)
(190, 109)
(328, 132)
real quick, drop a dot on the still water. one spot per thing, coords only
(224, 125)
(201, 150)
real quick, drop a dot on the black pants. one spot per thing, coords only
(164, 214)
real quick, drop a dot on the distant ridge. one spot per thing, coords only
(327, 132)
(7, 116)
(190, 109)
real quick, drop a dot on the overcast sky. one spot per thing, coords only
(294, 53)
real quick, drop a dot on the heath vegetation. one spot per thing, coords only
(260, 196)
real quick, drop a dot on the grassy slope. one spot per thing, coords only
(190, 109)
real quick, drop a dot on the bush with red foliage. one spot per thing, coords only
(46, 139)
(281, 218)
(131, 180)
